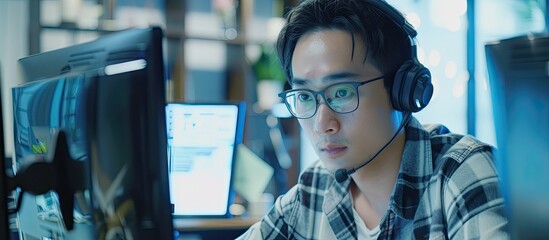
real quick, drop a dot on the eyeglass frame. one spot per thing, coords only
(322, 93)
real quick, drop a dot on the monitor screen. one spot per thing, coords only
(93, 116)
(202, 140)
(518, 70)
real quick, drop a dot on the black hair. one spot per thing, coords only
(386, 45)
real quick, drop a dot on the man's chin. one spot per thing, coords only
(332, 167)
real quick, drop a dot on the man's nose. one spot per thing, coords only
(325, 119)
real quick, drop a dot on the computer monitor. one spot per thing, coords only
(89, 122)
(202, 142)
(518, 70)
(4, 224)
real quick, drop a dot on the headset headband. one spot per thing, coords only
(395, 16)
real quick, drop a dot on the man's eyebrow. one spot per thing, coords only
(328, 78)
(300, 81)
(339, 76)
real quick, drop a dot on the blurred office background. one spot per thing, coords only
(214, 49)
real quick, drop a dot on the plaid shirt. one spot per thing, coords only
(447, 188)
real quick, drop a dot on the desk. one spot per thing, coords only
(205, 224)
(213, 228)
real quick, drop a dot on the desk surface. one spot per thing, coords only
(201, 224)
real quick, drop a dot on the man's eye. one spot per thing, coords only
(344, 92)
(304, 97)
(341, 93)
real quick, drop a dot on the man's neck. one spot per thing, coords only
(374, 183)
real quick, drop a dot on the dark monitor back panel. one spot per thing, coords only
(519, 81)
(107, 96)
(4, 224)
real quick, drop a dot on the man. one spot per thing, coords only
(355, 81)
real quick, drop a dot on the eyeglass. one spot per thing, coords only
(340, 97)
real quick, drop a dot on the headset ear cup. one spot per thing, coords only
(422, 90)
(398, 86)
(418, 88)
(412, 88)
(408, 87)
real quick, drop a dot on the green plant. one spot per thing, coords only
(267, 67)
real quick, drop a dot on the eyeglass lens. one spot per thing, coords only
(341, 98)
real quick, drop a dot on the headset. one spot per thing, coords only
(412, 88)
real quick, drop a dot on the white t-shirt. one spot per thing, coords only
(362, 231)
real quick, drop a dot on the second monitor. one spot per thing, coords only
(202, 141)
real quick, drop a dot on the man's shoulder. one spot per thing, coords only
(450, 150)
(463, 168)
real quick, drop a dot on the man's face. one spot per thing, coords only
(342, 140)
